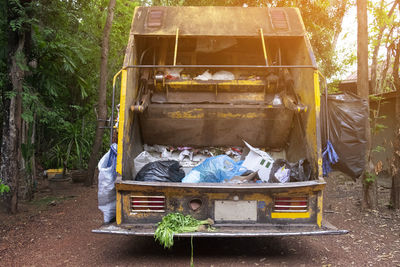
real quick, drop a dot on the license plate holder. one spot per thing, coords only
(227, 210)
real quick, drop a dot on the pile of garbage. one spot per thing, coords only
(216, 165)
(175, 74)
(191, 165)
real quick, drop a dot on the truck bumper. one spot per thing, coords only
(229, 230)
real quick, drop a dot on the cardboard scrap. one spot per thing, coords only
(258, 161)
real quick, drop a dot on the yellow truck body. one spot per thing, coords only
(266, 49)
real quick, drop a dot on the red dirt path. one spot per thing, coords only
(56, 231)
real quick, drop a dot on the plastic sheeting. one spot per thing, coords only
(347, 115)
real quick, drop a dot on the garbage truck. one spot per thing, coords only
(204, 77)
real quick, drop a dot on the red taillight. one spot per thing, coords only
(291, 204)
(147, 204)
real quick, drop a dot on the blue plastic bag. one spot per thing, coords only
(215, 170)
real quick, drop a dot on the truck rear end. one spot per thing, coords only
(273, 103)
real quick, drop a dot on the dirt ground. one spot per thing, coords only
(55, 230)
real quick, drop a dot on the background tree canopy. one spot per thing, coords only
(60, 59)
(63, 57)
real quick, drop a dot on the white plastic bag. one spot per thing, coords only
(282, 174)
(186, 153)
(223, 75)
(277, 100)
(174, 73)
(141, 160)
(106, 194)
(205, 76)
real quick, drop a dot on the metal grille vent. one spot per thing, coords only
(279, 20)
(291, 204)
(147, 204)
(154, 18)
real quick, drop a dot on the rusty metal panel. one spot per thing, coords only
(211, 97)
(178, 195)
(213, 21)
(216, 125)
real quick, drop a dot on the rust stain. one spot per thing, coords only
(250, 115)
(196, 113)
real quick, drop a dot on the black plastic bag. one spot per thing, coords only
(298, 172)
(347, 115)
(161, 171)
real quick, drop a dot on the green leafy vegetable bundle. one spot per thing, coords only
(178, 223)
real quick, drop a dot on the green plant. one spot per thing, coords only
(72, 148)
(54, 157)
(370, 177)
(3, 188)
(178, 223)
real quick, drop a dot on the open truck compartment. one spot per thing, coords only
(241, 74)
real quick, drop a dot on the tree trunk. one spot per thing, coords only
(378, 40)
(11, 141)
(395, 192)
(32, 175)
(102, 104)
(369, 199)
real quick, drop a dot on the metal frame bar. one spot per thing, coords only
(112, 106)
(263, 46)
(267, 230)
(223, 66)
(176, 45)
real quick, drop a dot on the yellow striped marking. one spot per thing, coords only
(121, 120)
(289, 215)
(319, 212)
(317, 92)
(119, 208)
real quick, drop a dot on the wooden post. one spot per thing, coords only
(369, 199)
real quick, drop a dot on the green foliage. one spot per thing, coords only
(378, 149)
(62, 58)
(378, 127)
(177, 223)
(73, 146)
(375, 117)
(333, 87)
(384, 37)
(60, 87)
(3, 188)
(369, 177)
